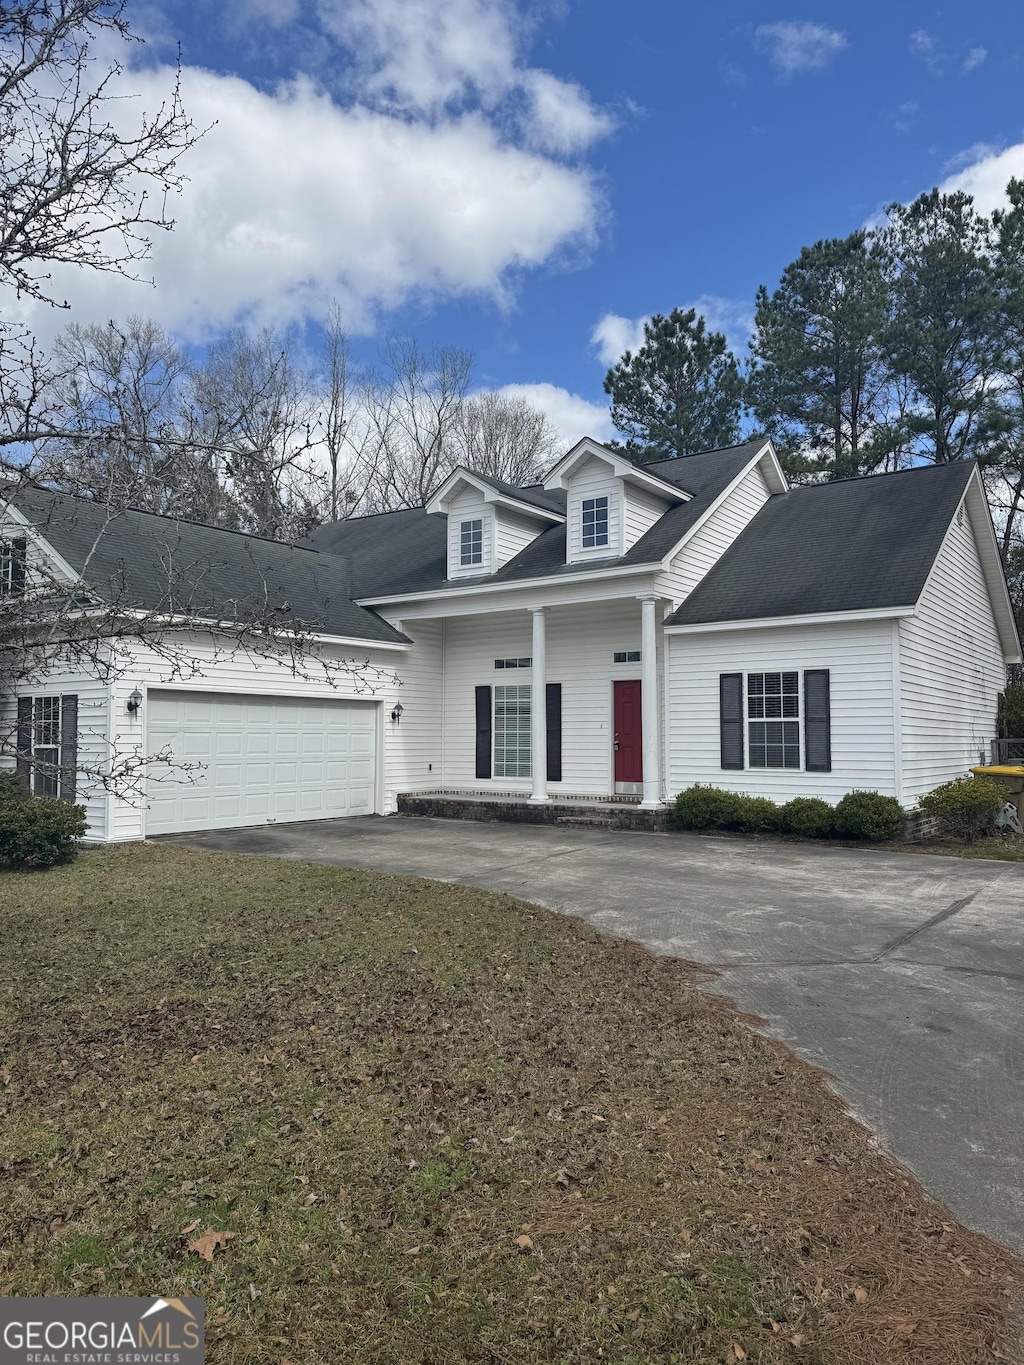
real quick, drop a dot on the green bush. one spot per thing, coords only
(756, 815)
(13, 788)
(866, 815)
(708, 808)
(808, 816)
(966, 807)
(1010, 714)
(38, 832)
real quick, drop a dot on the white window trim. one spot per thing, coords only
(50, 770)
(524, 696)
(475, 526)
(607, 509)
(796, 720)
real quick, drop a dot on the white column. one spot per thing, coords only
(538, 710)
(649, 704)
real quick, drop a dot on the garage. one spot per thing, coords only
(257, 760)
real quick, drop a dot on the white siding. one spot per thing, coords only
(580, 643)
(413, 749)
(859, 657)
(512, 533)
(467, 505)
(594, 479)
(641, 510)
(706, 547)
(951, 669)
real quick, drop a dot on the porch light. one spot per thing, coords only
(396, 714)
(134, 702)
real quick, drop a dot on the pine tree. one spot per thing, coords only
(678, 393)
(818, 383)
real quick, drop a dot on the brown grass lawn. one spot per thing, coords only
(438, 1125)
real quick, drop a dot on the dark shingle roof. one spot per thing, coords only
(855, 545)
(154, 563)
(406, 552)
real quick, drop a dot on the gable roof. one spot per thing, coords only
(396, 553)
(854, 545)
(153, 563)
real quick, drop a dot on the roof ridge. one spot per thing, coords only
(885, 474)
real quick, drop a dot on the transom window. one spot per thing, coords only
(471, 542)
(773, 719)
(626, 656)
(46, 746)
(512, 732)
(595, 522)
(513, 663)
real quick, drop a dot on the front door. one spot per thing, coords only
(629, 762)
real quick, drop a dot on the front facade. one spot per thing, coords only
(617, 633)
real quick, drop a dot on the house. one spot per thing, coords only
(614, 632)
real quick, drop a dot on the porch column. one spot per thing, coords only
(649, 704)
(538, 710)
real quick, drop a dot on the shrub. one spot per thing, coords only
(708, 808)
(966, 807)
(13, 788)
(808, 816)
(38, 832)
(756, 815)
(866, 815)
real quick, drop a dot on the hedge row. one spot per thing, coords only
(36, 831)
(859, 815)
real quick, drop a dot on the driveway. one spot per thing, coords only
(901, 975)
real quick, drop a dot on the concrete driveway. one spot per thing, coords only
(901, 975)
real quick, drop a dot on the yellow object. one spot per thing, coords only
(1000, 770)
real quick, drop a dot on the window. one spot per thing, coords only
(773, 716)
(626, 656)
(12, 567)
(46, 746)
(512, 732)
(513, 663)
(595, 522)
(471, 542)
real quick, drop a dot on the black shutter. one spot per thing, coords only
(730, 716)
(483, 732)
(19, 555)
(553, 718)
(68, 747)
(817, 721)
(25, 740)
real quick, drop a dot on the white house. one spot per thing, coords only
(615, 632)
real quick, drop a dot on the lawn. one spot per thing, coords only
(433, 1124)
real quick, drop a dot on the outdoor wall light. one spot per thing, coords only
(134, 702)
(396, 714)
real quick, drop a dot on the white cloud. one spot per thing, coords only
(926, 49)
(293, 199)
(796, 47)
(974, 59)
(988, 175)
(572, 416)
(614, 334)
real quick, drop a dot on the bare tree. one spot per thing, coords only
(75, 187)
(506, 437)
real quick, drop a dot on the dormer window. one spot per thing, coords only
(12, 567)
(471, 542)
(595, 522)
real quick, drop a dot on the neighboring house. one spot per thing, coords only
(618, 631)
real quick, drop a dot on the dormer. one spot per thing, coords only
(610, 502)
(488, 522)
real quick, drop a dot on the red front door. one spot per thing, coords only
(629, 760)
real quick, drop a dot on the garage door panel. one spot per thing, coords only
(263, 759)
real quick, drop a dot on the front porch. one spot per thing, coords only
(587, 812)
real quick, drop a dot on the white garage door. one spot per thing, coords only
(263, 760)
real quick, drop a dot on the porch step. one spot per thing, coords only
(604, 815)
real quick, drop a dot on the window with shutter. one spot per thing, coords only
(730, 704)
(817, 721)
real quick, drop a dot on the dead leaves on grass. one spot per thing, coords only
(209, 1242)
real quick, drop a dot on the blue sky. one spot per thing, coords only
(529, 181)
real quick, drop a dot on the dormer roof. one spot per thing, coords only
(636, 475)
(528, 502)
